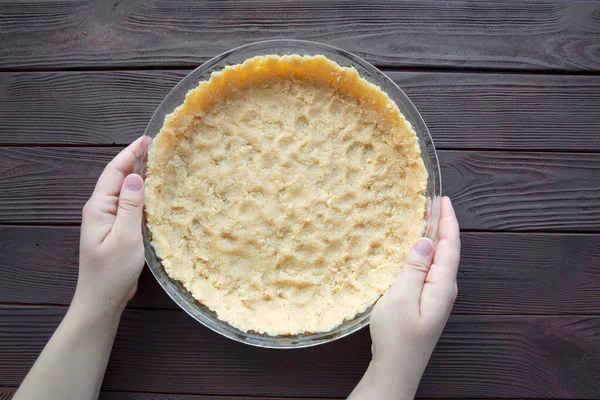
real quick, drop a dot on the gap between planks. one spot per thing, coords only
(125, 395)
(484, 231)
(383, 68)
(10, 390)
(466, 149)
(178, 310)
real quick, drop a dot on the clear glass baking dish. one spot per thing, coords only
(282, 47)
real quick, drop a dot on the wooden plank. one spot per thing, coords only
(526, 273)
(166, 351)
(154, 396)
(7, 393)
(48, 185)
(40, 264)
(549, 35)
(500, 273)
(80, 107)
(513, 112)
(491, 190)
(523, 191)
(462, 111)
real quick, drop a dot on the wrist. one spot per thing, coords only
(384, 380)
(97, 316)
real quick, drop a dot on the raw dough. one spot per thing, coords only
(284, 194)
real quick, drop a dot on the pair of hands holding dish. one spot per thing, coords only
(406, 322)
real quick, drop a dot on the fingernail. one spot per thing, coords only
(424, 247)
(133, 183)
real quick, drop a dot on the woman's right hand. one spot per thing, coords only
(408, 320)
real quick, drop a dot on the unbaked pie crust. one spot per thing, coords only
(284, 194)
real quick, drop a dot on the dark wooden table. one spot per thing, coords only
(510, 92)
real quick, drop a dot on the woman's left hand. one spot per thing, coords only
(111, 251)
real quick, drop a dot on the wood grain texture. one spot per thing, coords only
(516, 112)
(462, 111)
(80, 107)
(166, 351)
(41, 185)
(155, 396)
(549, 35)
(7, 393)
(523, 191)
(526, 273)
(500, 273)
(40, 264)
(491, 190)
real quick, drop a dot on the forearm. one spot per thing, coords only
(381, 382)
(73, 362)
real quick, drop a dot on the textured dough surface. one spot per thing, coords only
(284, 194)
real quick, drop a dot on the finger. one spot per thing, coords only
(100, 210)
(141, 157)
(447, 253)
(440, 287)
(111, 179)
(407, 288)
(128, 224)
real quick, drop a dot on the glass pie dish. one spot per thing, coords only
(288, 47)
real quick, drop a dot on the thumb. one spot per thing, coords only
(128, 223)
(410, 281)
